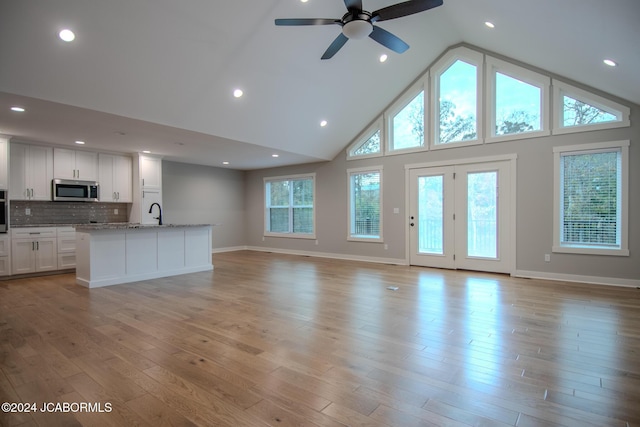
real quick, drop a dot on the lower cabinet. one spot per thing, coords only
(34, 249)
(5, 246)
(66, 248)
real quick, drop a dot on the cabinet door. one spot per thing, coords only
(64, 163)
(22, 256)
(122, 178)
(4, 178)
(151, 171)
(17, 171)
(39, 173)
(86, 166)
(105, 177)
(46, 255)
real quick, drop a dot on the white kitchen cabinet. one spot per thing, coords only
(30, 172)
(147, 188)
(151, 171)
(4, 164)
(33, 249)
(66, 243)
(74, 164)
(5, 254)
(114, 176)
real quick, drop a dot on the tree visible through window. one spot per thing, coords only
(289, 206)
(458, 94)
(577, 113)
(370, 146)
(517, 106)
(408, 125)
(590, 198)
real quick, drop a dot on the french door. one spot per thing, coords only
(460, 216)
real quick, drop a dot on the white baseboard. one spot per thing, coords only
(609, 281)
(378, 260)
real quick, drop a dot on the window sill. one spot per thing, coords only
(291, 235)
(590, 250)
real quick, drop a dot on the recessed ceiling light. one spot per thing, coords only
(275, 155)
(383, 57)
(146, 151)
(67, 35)
(17, 109)
(225, 163)
(489, 24)
(610, 62)
(238, 93)
(304, 1)
(323, 123)
(80, 142)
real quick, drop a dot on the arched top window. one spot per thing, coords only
(457, 96)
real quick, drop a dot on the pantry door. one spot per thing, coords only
(460, 216)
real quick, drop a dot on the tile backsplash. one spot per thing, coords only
(41, 212)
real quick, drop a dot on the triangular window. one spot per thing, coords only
(577, 110)
(368, 143)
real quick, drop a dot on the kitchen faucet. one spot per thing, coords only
(159, 217)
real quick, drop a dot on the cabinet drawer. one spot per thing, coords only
(33, 232)
(4, 245)
(66, 260)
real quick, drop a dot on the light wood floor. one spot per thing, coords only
(270, 339)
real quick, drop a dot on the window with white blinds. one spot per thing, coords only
(591, 198)
(289, 206)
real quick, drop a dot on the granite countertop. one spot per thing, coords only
(129, 226)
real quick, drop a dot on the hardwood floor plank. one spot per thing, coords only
(273, 339)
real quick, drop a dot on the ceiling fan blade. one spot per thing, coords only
(307, 21)
(335, 46)
(389, 40)
(403, 9)
(353, 5)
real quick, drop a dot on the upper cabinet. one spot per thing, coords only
(115, 178)
(147, 188)
(73, 164)
(151, 172)
(30, 172)
(4, 177)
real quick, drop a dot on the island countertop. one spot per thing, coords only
(133, 226)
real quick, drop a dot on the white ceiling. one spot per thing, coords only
(159, 75)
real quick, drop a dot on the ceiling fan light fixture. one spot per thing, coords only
(357, 29)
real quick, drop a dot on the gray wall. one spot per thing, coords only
(534, 214)
(193, 194)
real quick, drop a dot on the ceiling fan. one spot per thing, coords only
(358, 23)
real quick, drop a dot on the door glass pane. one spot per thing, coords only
(482, 214)
(431, 214)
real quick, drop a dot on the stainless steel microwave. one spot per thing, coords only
(67, 190)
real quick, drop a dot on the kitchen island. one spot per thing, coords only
(110, 254)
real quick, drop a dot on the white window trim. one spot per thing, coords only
(399, 105)
(291, 235)
(353, 171)
(560, 89)
(494, 65)
(469, 56)
(364, 137)
(624, 202)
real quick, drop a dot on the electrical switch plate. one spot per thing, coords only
(27, 211)
(115, 211)
(547, 257)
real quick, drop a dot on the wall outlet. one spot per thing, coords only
(386, 246)
(316, 243)
(547, 257)
(115, 211)
(396, 210)
(27, 211)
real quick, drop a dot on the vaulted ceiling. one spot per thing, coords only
(159, 75)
